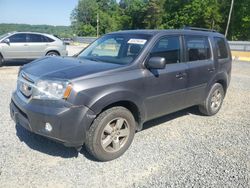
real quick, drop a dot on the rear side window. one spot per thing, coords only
(197, 48)
(221, 47)
(18, 38)
(38, 38)
(169, 48)
(35, 38)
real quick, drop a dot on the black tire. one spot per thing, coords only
(210, 106)
(52, 53)
(1, 61)
(96, 134)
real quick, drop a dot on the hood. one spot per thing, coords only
(66, 68)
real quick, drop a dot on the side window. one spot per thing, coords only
(35, 38)
(169, 48)
(221, 47)
(47, 39)
(18, 38)
(197, 48)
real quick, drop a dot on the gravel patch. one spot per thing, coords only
(183, 149)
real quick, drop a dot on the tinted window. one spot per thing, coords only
(36, 38)
(197, 48)
(169, 48)
(48, 39)
(18, 38)
(221, 48)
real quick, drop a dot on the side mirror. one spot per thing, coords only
(156, 63)
(7, 41)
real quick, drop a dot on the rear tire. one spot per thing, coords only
(214, 100)
(52, 53)
(111, 134)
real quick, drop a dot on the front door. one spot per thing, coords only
(17, 48)
(166, 88)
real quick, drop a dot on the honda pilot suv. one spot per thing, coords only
(101, 97)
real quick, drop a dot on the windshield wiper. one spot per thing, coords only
(91, 59)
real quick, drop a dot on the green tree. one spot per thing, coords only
(163, 14)
(192, 13)
(135, 10)
(154, 14)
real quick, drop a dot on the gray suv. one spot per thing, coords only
(104, 95)
(29, 45)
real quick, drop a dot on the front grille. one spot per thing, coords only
(25, 84)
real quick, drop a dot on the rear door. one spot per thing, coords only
(17, 48)
(166, 88)
(37, 45)
(201, 67)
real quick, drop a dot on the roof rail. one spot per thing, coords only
(199, 29)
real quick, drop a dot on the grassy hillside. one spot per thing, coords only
(61, 31)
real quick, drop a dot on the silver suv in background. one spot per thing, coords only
(29, 45)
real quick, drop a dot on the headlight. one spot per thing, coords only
(49, 89)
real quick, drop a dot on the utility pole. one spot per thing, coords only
(97, 25)
(229, 17)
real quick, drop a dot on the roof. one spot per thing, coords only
(29, 32)
(168, 31)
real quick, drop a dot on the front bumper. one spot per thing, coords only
(69, 123)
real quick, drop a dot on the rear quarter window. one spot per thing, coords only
(48, 39)
(221, 48)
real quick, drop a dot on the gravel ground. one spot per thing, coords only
(183, 149)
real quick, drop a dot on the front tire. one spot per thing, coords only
(1, 61)
(214, 100)
(111, 134)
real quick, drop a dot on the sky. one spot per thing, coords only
(50, 12)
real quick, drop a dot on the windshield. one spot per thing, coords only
(118, 49)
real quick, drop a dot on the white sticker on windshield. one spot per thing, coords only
(137, 41)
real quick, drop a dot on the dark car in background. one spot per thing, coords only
(123, 79)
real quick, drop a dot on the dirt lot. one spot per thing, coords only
(183, 149)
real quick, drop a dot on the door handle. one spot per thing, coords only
(26, 45)
(211, 69)
(180, 75)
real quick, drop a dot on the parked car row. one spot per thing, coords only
(29, 45)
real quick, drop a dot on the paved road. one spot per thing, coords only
(183, 149)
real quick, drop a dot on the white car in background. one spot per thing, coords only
(29, 45)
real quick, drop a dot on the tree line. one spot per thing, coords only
(61, 31)
(160, 14)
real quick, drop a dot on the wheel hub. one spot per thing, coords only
(115, 135)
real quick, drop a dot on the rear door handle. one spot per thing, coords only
(180, 75)
(26, 45)
(211, 69)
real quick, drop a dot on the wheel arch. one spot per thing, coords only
(221, 78)
(122, 98)
(48, 51)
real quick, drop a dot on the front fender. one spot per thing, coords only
(109, 98)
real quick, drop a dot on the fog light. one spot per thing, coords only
(48, 127)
